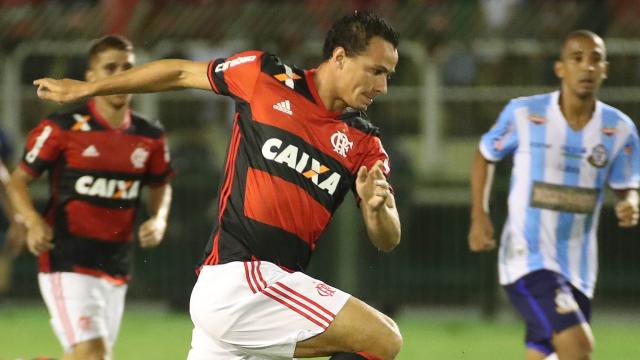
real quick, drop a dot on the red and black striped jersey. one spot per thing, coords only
(96, 173)
(289, 165)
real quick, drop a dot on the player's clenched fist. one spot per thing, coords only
(151, 232)
(39, 236)
(481, 234)
(62, 91)
(627, 213)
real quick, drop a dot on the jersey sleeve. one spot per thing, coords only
(235, 75)
(625, 169)
(502, 139)
(160, 170)
(42, 148)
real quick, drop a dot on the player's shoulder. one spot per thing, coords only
(66, 118)
(145, 126)
(611, 113)
(358, 119)
(537, 100)
(271, 64)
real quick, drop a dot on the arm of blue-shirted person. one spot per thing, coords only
(500, 141)
(378, 207)
(624, 178)
(156, 76)
(627, 208)
(39, 233)
(481, 233)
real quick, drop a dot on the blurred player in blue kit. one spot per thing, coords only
(566, 146)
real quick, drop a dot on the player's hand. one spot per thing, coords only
(151, 232)
(16, 237)
(39, 236)
(627, 214)
(481, 234)
(62, 91)
(372, 186)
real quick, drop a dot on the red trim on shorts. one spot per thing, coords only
(307, 299)
(288, 297)
(115, 280)
(324, 327)
(58, 296)
(300, 304)
(230, 170)
(246, 274)
(213, 84)
(264, 283)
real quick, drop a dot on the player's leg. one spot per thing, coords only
(76, 304)
(357, 328)
(259, 310)
(94, 349)
(577, 341)
(546, 302)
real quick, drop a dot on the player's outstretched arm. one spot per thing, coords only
(627, 208)
(481, 231)
(156, 76)
(378, 207)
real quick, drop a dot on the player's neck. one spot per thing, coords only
(576, 111)
(115, 116)
(326, 92)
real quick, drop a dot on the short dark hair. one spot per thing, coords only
(582, 33)
(104, 43)
(353, 32)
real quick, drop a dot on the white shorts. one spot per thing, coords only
(257, 310)
(82, 307)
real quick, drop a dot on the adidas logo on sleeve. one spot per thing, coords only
(284, 106)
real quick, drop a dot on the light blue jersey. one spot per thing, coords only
(557, 184)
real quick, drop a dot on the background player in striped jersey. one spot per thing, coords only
(567, 146)
(98, 156)
(300, 143)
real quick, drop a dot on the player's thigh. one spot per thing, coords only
(575, 342)
(77, 305)
(357, 327)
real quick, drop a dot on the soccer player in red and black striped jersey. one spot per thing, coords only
(300, 142)
(98, 157)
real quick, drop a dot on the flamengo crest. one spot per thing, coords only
(139, 157)
(341, 143)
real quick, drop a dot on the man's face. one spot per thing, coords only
(365, 76)
(108, 63)
(583, 66)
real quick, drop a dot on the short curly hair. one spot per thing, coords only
(353, 32)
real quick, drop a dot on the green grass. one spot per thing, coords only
(148, 332)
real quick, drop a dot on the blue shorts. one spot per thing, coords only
(549, 304)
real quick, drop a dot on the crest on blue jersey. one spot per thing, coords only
(599, 156)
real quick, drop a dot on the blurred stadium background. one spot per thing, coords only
(460, 63)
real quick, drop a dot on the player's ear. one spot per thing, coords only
(605, 73)
(558, 68)
(339, 55)
(89, 75)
